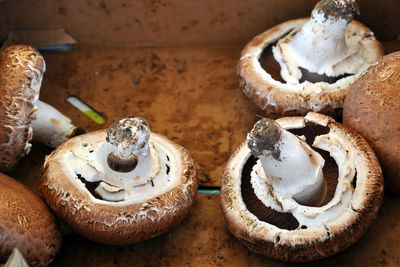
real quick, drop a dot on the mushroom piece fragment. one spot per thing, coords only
(276, 200)
(22, 114)
(128, 180)
(319, 57)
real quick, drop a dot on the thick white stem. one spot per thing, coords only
(320, 44)
(298, 170)
(51, 127)
(291, 166)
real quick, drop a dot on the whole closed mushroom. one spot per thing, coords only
(22, 114)
(373, 109)
(301, 188)
(120, 185)
(26, 224)
(311, 63)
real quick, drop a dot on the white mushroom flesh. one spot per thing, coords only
(51, 127)
(311, 216)
(296, 172)
(88, 158)
(320, 46)
(110, 192)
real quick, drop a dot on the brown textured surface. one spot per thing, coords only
(176, 22)
(116, 224)
(195, 101)
(21, 68)
(373, 108)
(26, 223)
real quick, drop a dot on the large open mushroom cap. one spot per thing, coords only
(138, 210)
(286, 230)
(27, 224)
(276, 97)
(21, 72)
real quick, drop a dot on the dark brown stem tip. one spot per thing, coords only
(122, 165)
(265, 135)
(345, 9)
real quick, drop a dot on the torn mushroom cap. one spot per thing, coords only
(291, 166)
(311, 53)
(22, 69)
(321, 231)
(120, 207)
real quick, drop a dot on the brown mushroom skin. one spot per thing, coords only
(118, 225)
(372, 107)
(26, 223)
(16, 97)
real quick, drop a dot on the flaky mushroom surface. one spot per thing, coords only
(272, 222)
(27, 224)
(110, 205)
(319, 57)
(21, 73)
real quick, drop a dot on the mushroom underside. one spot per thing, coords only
(272, 67)
(260, 74)
(285, 220)
(283, 234)
(126, 220)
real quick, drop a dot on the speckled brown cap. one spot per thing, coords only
(318, 232)
(21, 72)
(121, 222)
(372, 107)
(26, 223)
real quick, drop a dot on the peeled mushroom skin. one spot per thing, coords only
(276, 225)
(294, 94)
(118, 210)
(372, 108)
(26, 223)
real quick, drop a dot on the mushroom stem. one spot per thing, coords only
(129, 140)
(51, 126)
(320, 44)
(291, 166)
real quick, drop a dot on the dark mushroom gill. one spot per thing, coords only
(287, 220)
